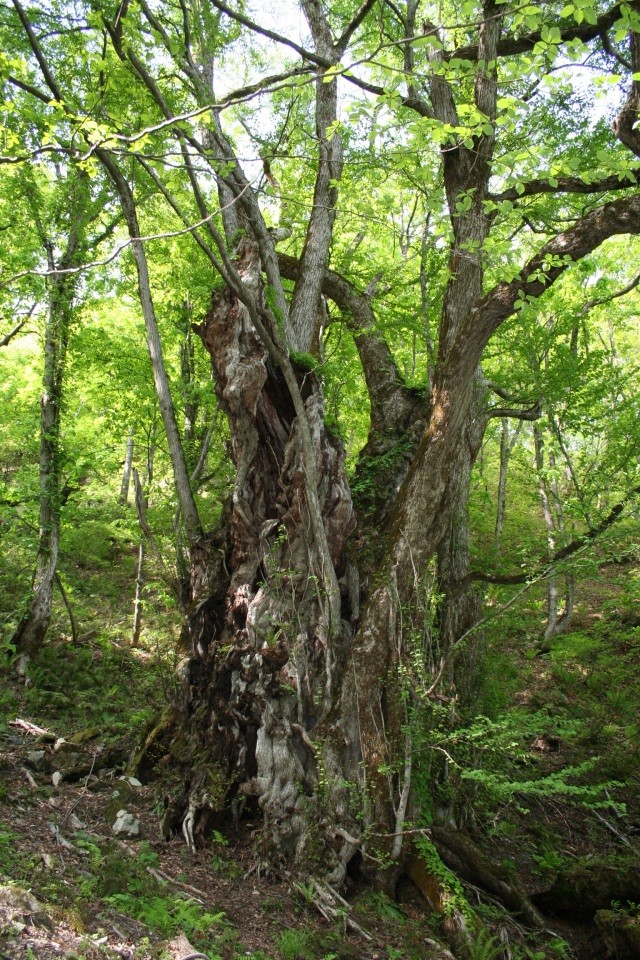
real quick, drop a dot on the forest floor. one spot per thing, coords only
(70, 888)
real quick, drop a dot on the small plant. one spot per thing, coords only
(394, 954)
(380, 904)
(549, 860)
(454, 896)
(485, 947)
(295, 945)
(627, 909)
(166, 915)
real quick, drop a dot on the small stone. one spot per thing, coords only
(36, 759)
(56, 778)
(126, 824)
(132, 781)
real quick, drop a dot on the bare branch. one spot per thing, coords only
(13, 333)
(590, 304)
(30, 88)
(611, 50)
(343, 41)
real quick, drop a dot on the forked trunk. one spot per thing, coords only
(264, 664)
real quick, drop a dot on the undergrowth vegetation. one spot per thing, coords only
(547, 764)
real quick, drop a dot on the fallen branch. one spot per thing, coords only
(617, 833)
(331, 905)
(62, 841)
(180, 944)
(31, 728)
(161, 877)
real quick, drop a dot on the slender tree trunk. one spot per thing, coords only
(564, 618)
(507, 444)
(547, 513)
(190, 399)
(33, 627)
(137, 602)
(142, 503)
(65, 599)
(161, 380)
(501, 504)
(126, 470)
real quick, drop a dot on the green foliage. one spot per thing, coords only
(483, 946)
(295, 945)
(379, 903)
(306, 361)
(166, 915)
(371, 479)
(93, 685)
(454, 897)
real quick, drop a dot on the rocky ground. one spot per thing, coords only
(80, 879)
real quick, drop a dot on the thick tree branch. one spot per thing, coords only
(37, 50)
(343, 41)
(625, 124)
(30, 88)
(8, 337)
(512, 46)
(388, 394)
(411, 539)
(611, 50)
(621, 216)
(516, 413)
(507, 394)
(566, 185)
(305, 303)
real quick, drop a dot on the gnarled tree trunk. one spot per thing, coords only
(265, 664)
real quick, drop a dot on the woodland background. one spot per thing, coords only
(431, 209)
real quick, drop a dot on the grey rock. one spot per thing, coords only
(126, 825)
(132, 781)
(36, 759)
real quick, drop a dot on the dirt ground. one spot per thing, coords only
(49, 908)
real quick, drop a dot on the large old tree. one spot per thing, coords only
(324, 617)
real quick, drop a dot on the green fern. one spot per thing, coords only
(485, 947)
